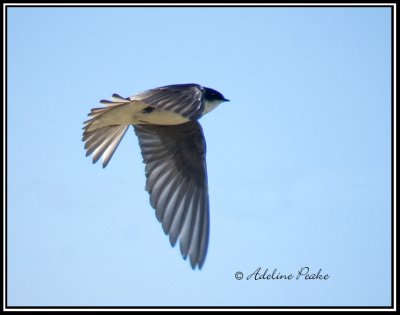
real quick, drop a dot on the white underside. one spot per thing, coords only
(132, 114)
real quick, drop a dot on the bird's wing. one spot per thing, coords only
(183, 99)
(175, 158)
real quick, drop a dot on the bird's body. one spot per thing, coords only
(173, 149)
(133, 112)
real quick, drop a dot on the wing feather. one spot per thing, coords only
(183, 99)
(177, 183)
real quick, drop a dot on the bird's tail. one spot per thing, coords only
(102, 138)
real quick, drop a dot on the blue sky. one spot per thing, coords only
(298, 162)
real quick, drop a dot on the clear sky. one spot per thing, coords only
(298, 162)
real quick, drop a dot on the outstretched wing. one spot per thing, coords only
(183, 99)
(175, 158)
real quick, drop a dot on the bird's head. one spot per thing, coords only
(212, 95)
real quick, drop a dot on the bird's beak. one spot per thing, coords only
(226, 100)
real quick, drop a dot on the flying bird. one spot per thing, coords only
(165, 120)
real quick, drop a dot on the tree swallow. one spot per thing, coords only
(173, 147)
